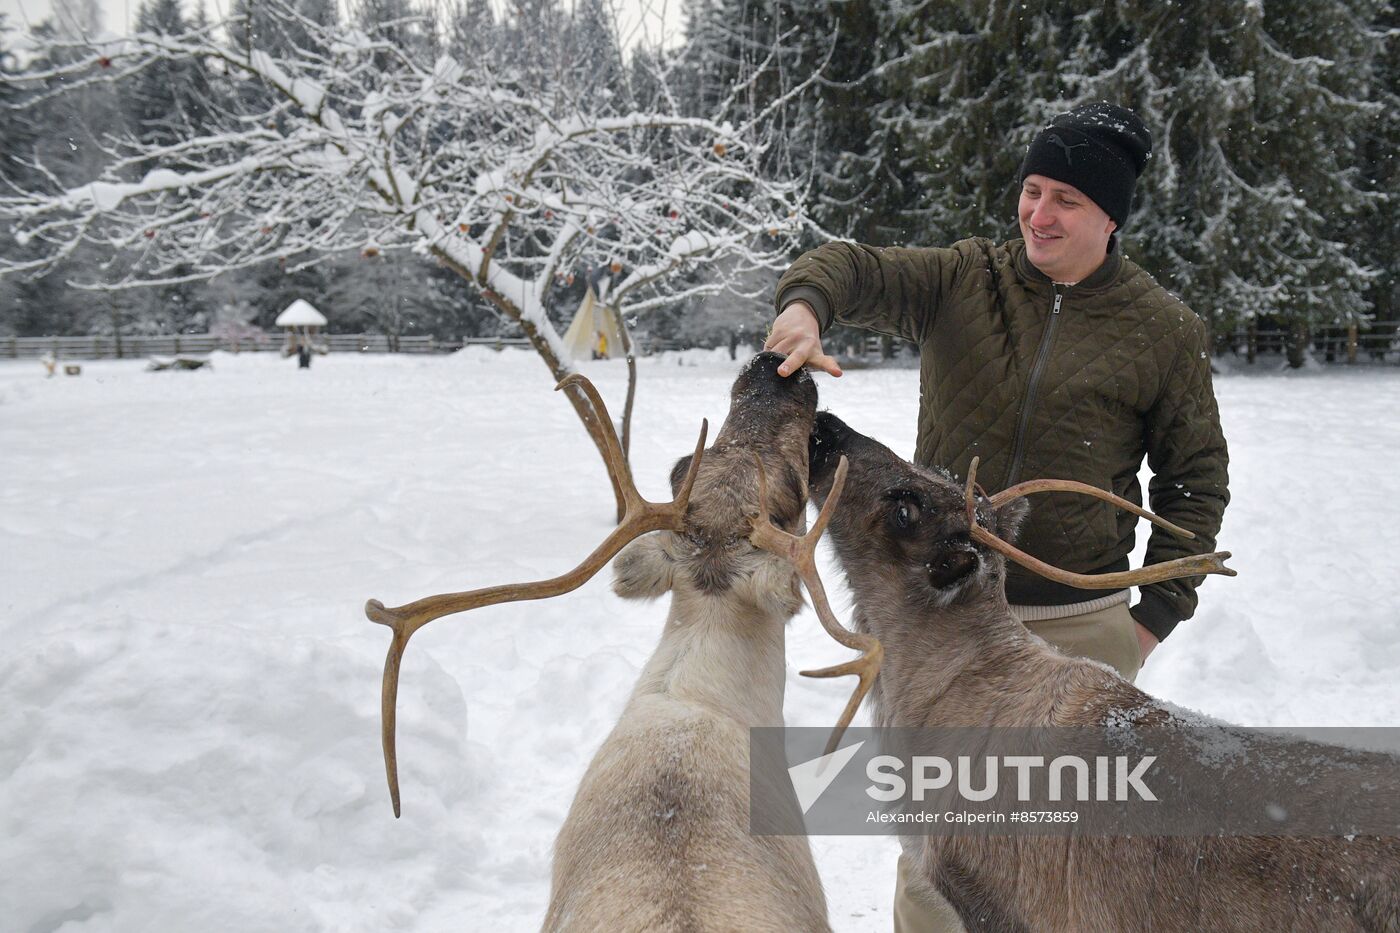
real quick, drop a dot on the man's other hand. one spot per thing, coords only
(797, 333)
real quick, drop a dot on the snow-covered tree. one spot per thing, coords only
(1254, 201)
(965, 86)
(170, 100)
(294, 28)
(473, 34)
(511, 190)
(54, 133)
(1253, 204)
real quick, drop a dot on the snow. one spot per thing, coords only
(688, 244)
(300, 313)
(191, 689)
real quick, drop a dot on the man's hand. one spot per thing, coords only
(1146, 640)
(797, 333)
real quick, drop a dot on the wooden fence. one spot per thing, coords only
(1375, 342)
(1379, 342)
(98, 348)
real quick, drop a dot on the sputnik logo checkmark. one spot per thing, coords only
(811, 778)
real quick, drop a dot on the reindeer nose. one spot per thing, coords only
(764, 367)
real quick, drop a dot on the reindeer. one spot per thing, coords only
(657, 836)
(925, 561)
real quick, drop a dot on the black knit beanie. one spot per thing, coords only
(1099, 148)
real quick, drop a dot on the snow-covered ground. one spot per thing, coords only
(190, 689)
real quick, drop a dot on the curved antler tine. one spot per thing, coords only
(1194, 565)
(642, 517)
(389, 698)
(1033, 486)
(613, 454)
(838, 484)
(1191, 566)
(968, 493)
(683, 497)
(802, 553)
(867, 667)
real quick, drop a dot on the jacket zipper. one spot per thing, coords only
(1042, 357)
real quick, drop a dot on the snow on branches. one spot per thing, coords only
(509, 183)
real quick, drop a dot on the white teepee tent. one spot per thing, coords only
(595, 332)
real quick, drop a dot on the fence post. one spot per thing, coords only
(1352, 340)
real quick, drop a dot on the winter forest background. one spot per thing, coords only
(700, 168)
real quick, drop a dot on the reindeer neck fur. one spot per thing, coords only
(966, 663)
(721, 655)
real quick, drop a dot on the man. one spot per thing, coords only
(1047, 356)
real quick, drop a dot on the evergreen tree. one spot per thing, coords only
(16, 139)
(407, 28)
(17, 131)
(594, 53)
(284, 29)
(1255, 197)
(1380, 173)
(472, 32)
(533, 44)
(1253, 194)
(281, 27)
(168, 100)
(68, 136)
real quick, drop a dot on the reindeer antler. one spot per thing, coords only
(801, 552)
(640, 518)
(1193, 566)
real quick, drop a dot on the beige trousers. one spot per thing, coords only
(1108, 635)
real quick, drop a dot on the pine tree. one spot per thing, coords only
(473, 35)
(595, 54)
(168, 101)
(68, 135)
(1256, 196)
(1254, 189)
(16, 139)
(1380, 172)
(408, 28)
(279, 27)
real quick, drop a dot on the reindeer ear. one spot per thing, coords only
(1009, 517)
(678, 472)
(643, 570)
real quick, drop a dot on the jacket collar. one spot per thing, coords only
(1101, 278)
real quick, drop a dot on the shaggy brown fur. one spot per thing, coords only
(955, 656)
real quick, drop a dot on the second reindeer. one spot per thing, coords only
(925, 558)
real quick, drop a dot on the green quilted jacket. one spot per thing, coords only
(1048, 381)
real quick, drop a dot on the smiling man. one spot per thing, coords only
(1048, 356)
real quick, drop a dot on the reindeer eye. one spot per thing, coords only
(906, 512)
